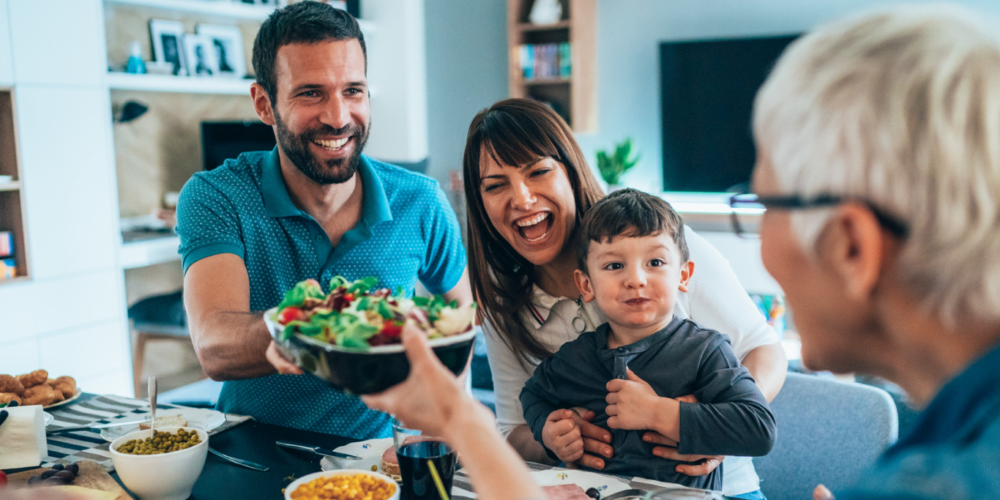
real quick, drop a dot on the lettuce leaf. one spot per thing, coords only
(299, 293)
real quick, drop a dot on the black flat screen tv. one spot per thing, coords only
(707, 88)
(221, 141)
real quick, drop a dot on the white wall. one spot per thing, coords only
(397, 72)
(69, 318)
(629, 33)
(466, 72)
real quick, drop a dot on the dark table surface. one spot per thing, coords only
(254, 441)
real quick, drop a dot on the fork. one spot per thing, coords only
(238, 461)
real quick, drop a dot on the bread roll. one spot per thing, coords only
(11, 384)
(34, 378)
(7, 397)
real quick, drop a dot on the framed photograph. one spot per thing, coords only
(226, 48)
(168, 44)
(200, 55)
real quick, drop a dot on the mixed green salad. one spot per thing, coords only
(355, 315)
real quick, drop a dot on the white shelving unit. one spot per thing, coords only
(185, 84)
(219, 8)
(149, 252)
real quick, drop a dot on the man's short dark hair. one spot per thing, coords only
(632, 214)
(304, 22)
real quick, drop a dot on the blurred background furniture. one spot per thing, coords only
(828, 433)
(160, 317)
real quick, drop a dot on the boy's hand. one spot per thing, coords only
(562, 435)
(631, 403)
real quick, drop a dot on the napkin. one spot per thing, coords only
(22, 438)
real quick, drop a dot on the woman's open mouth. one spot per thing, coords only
(534, 228)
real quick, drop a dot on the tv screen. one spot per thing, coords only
(221, 141)
(707, 91)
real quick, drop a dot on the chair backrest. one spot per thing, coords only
(828, 433)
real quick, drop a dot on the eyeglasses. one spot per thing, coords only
(746, 204)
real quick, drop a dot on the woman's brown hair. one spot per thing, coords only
(515, 132)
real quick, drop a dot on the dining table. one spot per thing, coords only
(242, 438)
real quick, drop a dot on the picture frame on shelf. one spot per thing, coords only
(200, 56)
(226, 44)
(168, 44)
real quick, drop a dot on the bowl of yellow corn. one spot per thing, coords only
(343, 485)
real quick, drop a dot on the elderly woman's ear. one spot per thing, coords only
(857, 250)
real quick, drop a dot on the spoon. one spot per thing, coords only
(152, 407)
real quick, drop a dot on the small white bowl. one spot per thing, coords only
(341, 472)
(169, 476)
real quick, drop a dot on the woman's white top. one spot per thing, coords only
(715, 299)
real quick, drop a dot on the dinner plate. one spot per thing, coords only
(370, 452)
(67, 400)
(586, 480)
(196, 417)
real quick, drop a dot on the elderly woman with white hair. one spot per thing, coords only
(879, 163)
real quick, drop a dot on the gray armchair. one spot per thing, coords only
(828, 433)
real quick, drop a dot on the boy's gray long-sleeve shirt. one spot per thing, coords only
(731, 418)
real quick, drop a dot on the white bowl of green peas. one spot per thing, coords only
(165, 468)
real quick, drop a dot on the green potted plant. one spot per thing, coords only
(613, 166)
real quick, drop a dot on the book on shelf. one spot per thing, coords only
(545, 61)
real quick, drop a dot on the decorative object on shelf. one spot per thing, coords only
(545, 12)
(200, 55)
(773, 308)
(159, 68)
(8, 269)
(135, 63)
(227, 46)
(167, 37)
(130, 111)
(614, 166)
(6, 243)
(546, 61)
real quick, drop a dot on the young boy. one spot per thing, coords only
(632, 260)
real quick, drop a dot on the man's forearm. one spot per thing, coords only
(768, 366)
(231, 345)
(523, 441)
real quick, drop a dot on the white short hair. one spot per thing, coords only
(900, 108)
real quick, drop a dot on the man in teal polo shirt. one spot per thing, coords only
(314, 207)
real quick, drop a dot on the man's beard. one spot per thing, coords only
(333, 171)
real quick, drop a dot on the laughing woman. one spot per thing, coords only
(527, 186)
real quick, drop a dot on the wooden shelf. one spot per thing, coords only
(548, 81)
(561, 25)
(12, 206)
(181, 84)
(225, 9)
(575, 97)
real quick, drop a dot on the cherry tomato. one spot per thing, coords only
(290, 314)
(391, 329)
(348, 297)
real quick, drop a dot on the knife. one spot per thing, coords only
(94, 426)
(315, 449)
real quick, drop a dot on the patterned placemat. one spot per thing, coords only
(89, 445)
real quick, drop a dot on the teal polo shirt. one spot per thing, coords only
(407, 231)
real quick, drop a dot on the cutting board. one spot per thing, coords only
(91, 475)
